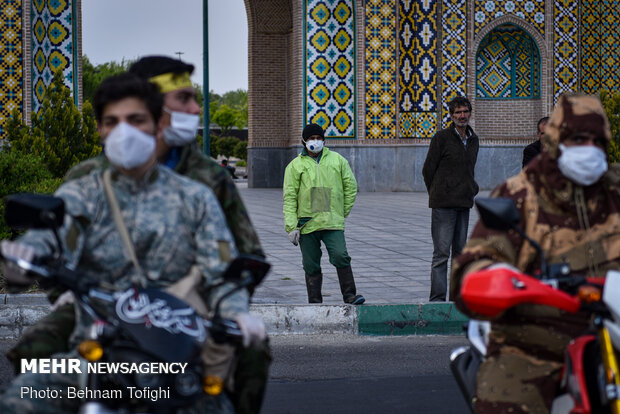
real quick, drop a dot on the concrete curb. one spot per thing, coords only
(17, 312)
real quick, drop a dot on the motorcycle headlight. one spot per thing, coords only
(148, 380)
(91, 350)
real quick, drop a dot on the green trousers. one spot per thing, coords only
(335, 244)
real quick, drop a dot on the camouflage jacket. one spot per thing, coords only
(166, 245)
(548, 204)
(197, 166)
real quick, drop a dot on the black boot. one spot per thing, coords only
(347, 286)
(314, 284)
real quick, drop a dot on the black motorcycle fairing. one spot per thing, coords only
(161, 324)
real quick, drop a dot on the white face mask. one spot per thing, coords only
(128, 147)
(182, 129)
(314, 145)
(583, 164)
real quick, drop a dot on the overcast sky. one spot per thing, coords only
(117, 29)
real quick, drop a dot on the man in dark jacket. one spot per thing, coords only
(449, 177)
(532, 150)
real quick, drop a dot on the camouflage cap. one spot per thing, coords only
(576, 113)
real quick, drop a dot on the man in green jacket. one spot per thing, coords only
(319, 192)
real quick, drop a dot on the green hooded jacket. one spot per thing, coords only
(318, 193)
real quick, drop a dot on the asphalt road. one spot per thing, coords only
(354, 374)
(361, 374)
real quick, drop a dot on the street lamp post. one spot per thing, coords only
(206, 135)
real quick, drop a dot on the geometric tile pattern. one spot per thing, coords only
(52, 45)
(453, 53)
(565, 41)
(600, 36)
(526, 70)
(532, 11)
(330, 66)
(493, 70)
(508, 64)
(381, 69)
(417, 68)
(11, 82)
(590, 46)
(610, 31)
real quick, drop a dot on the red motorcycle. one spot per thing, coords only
(591, 378)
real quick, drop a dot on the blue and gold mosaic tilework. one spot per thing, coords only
(508, 64)
(330, 66)
(11, 82)
(532, 11)
(600, 37)
(453, 53)
(380, 69)
(565, 38)
(417, 68)
(52, 45)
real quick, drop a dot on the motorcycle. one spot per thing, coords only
(134, 330)
(591, 377)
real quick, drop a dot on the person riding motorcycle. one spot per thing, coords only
(174, 224)
(569, 202)
(176, 148)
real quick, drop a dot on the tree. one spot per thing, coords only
(611, 103)
(225, 117)
(59, 134)
(226, 146)
(92, 75)
(22, 173)
(237, 102)
(241, 150)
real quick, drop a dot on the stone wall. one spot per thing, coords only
(386, 167)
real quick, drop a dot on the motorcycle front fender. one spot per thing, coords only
(465, 363)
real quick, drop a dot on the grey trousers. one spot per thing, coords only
(449, 232)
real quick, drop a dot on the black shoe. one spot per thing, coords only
(357, 300)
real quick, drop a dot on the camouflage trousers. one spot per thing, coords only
(50, 335)
(56, 393)
(512, 381)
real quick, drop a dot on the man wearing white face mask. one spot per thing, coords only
(568, 199)
(174, 225)
(176, 148)
(176, 145)
(319, 192)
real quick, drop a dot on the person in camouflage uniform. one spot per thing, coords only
(571, 207)
(167, 245)
(50, 334)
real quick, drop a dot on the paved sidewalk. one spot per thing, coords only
(388, 238)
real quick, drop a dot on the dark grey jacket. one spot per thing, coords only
(449, 169)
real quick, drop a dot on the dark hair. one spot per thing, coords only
(541, 121)
(458, 101)
(150, 66)
(127, 85)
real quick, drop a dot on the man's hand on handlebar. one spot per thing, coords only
(252, 328)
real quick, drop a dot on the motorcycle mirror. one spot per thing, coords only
(34, 211)
(498, 213)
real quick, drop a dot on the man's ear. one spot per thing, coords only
(159, 128)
